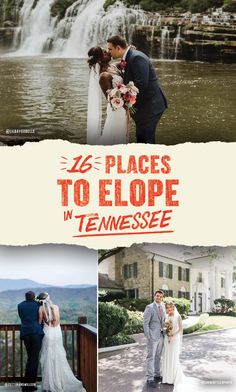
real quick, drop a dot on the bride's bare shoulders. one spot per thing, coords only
(105, 81)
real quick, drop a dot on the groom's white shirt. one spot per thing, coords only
(125, 54)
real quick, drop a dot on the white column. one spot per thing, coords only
(218, 283)
(228, 284)
(212, 286)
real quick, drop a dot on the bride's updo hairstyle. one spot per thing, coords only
(42, 296)
(95, 56)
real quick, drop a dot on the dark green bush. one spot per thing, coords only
(133, 304)
(119, 339)
(230, 314)
(106, 296)
(112, 320)
(223, 305)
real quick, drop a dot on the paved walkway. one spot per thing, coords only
(209, 357)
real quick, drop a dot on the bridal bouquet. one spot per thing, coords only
(168, 329)
(123, 96)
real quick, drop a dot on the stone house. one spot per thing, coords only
(196, 273)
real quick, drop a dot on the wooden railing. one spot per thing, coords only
(80, 342)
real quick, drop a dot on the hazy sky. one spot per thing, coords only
(49, 264)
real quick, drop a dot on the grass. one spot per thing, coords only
(209, 327)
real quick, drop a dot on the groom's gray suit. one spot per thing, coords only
(153, 329)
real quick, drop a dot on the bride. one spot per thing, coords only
(57, 375)
(104, 76)
(172, 372)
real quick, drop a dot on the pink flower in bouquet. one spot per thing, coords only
(123, 89)
(117, 103)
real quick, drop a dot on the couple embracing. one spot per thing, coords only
(131, 88)
(163, 330)
(42, 336)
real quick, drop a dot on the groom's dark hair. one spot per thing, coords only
(159, 291)
(117, 40)
(29, 296)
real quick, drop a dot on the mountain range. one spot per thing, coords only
(72, 301)
(17, 284)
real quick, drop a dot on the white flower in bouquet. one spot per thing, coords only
(117, 103)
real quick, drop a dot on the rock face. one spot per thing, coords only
(178, 39)
(6, 37)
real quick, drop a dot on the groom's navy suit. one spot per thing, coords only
(151, 101)
(31, 332)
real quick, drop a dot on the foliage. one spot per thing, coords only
(72, 303)
(230, 5)
(109, 296)
(112, 320)
(118, 340)
(210, 327)
(182, 304)
(194, 6)
(105, 253)
(223, 305)
(231, 314)
(195, 327)
(59, 8)
(133, 304)
(9, 9)
(134, 323)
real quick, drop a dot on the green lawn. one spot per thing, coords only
(221, 321)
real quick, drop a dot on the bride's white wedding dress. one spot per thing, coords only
(171, 368)
(172, 372)
(57, 375)
(115, 129)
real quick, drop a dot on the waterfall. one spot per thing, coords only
(92, 26)
(36, 27)
(85, 24)
(177, 41)
(165, 40)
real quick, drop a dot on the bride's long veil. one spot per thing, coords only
(94, 112)
(177, 315)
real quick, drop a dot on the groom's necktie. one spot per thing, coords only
(160, 311)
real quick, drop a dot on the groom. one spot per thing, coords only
(31, 332)
(151, 101)
(154, 318)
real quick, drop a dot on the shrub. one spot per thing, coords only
(119, 339)
(210, 327)
(107, 296)
(223, 305)
(112, 320)
(134, 323)
(182, 304)
(230, 314)
(133, 304)
(195, 327)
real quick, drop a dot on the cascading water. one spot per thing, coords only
(165, 40)
(177, 41)
(85, 24)
(36, 27)
(92, 26)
